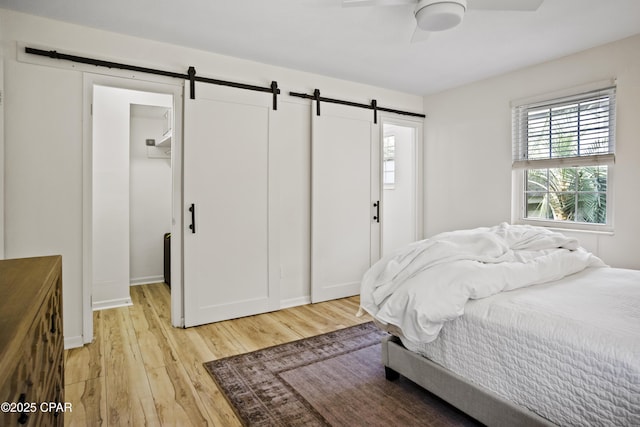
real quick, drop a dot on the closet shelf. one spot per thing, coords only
(165, 141)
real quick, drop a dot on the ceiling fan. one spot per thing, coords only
(441, 15)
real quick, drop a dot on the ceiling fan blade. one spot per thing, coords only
(419, 35)
(510, 5)
(352, 3)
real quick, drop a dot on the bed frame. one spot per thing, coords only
(481, 404)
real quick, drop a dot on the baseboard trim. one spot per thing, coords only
(114, 303)
(146, 280)
(295, 302)
(73, 342)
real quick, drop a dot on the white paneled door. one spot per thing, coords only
(345, 227)
(227, 272)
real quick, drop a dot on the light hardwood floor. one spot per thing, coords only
(141, 371)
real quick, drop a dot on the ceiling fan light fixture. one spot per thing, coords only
(434, 15)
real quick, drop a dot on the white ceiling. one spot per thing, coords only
(364, 44)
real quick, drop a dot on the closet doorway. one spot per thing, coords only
(401, 176)
(131, 162)
(149, 191)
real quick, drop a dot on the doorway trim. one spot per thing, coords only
(170, 88)
(418, 126)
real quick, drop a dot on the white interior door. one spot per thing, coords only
(345, 179)
(226, 181)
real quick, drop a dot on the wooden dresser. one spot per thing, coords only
(31, 342)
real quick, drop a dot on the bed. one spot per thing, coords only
(514, 325)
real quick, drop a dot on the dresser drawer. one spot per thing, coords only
(33, 359)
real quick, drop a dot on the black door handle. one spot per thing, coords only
(192, 226)
(377, 206)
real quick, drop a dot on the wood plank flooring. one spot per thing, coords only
(141, 371)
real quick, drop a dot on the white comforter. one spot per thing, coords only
(419, 288)
(568, 350)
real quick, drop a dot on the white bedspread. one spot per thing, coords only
(419, 288)
(568, 350)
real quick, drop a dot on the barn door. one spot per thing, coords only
(227, 272)
(345, 179)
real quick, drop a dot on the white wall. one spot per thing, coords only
(43, 174)
(110, 197)
(44, 141)
(468, 146)
(150, 202)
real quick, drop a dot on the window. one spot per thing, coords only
(389, 161)
(563, 152)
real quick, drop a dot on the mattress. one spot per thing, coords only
(568, 350)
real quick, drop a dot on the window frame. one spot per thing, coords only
(519, 209)
(388, 185)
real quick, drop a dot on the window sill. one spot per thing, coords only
(603, 230)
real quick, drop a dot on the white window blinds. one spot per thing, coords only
(576, 130)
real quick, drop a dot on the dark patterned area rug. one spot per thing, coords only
(335, 379)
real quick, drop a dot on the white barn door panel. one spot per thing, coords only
(227, 272)
(345, 180)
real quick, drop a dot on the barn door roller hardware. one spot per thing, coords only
(191, 74)
(373, 106)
